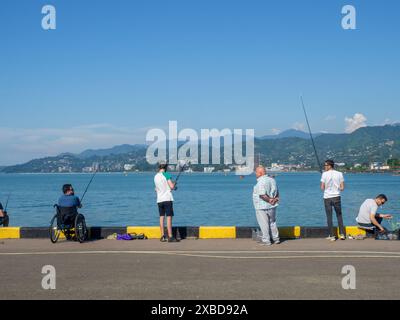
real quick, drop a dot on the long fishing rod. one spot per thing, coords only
(311, 135)
(179, 174)
(181, 169)
(87, 188)
(8, 198)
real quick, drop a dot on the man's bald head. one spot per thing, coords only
(260, 171)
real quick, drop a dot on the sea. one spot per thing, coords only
(118, 199)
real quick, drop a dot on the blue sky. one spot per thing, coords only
(113, 69)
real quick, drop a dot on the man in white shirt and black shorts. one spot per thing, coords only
(332, 183)
(164, 186)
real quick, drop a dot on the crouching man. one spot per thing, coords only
(368, 218)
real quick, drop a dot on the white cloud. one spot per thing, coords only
(21, 144)
(355, 122)
(389, 121)
(275, 131)
(299, 126)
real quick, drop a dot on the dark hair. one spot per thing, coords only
(382, 196)
(163, 166)
(330, 163)
(66, 188)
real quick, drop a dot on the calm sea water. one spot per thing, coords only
(202, 199)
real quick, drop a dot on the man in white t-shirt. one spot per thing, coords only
(164, 186)
(368, 218)
(332, 183)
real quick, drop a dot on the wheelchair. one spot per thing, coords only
(68, 221)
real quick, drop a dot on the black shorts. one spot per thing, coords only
(166, 209)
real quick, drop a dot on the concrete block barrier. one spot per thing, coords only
(182, 232)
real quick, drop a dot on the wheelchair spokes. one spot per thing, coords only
(54, 231)
(80, 228)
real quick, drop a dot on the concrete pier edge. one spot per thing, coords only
(182, 232)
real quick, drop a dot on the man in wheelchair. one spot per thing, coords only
(67, 218)
(68, 205)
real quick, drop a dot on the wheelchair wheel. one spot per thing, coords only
(80, 228)
(54, 232)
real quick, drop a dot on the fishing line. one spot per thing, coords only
(181, 169)
(87, 188)
(311, 135)
(8, 198)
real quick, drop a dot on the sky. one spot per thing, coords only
(112, 70)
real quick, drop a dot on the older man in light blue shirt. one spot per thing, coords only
(266, 200)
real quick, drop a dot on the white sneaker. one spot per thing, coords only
(330, 238)
(277, 242)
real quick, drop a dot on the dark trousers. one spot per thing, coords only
(337, 204)
(4, 220)
(372, 227)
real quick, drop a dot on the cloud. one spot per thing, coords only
(299, 126)
(275, 131)
(389, 121)
(355, 122)
(22, 144)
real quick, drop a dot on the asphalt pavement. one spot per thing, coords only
(201, 269)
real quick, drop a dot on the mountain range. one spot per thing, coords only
(291, 133)
(363, 146)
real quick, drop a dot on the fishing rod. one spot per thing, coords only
(181, 169)
(8, 198)
(311, 135)
(87, 188)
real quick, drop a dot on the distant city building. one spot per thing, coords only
(128, 167)
(374, 166)
(379, 166)
(243, 170)
(209, 169)
(275, 167)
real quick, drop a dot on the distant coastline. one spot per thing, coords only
(232, 173)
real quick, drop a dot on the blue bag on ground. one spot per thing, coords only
(125, 236)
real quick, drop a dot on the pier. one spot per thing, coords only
(207, 268)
